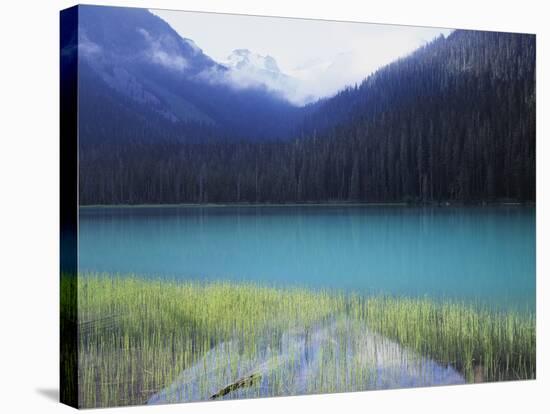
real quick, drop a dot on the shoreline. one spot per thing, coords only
(312, 204)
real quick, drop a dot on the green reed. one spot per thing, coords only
(484, 345)
(135, 335)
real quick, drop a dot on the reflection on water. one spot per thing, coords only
(483, 254)
(339, 355)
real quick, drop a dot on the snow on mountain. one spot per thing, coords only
(252, 70)
(244, 58)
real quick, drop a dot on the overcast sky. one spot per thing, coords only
(324, 55)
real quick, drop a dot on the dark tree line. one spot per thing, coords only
(454, 121)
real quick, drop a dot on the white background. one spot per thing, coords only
(29, 194)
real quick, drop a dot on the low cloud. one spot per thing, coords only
(246, 70)
(307, 83)
(86, 47)
(325, 77)
(163, 51)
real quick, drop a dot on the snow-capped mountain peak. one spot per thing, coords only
(245, 59)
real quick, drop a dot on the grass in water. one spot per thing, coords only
(136, 336)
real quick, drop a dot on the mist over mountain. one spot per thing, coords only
(161, 122)
(251, 70)
(133, 59)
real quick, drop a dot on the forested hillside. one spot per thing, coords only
(454, 121)
(140, 81)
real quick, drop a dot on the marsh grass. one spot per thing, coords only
(136, 336)
(484, 345)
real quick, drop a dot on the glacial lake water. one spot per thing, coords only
(480, 254)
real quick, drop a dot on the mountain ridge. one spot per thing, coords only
(453, 121)
(139, 56)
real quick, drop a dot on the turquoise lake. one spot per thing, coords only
(479, 254)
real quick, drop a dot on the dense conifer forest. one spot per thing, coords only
(452, 122)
